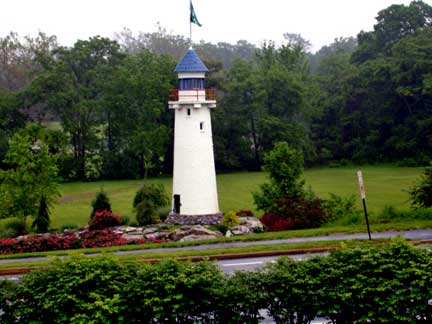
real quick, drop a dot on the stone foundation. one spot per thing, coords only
(180, 219)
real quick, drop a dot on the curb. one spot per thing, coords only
(23, 270)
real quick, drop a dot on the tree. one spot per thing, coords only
(72, 88)
(285, 167)
(100, 203)
(30, 179)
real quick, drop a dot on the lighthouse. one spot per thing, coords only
(195, 198)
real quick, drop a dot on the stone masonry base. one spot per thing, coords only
(180, 219)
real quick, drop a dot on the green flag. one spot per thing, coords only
(193, 17)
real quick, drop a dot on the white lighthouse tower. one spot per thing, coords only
(195, 199)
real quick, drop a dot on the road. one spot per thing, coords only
(425, 234)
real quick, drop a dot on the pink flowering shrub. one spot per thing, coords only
(65, 241)
(103, 219)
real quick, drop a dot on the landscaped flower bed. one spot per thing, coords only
(65, 241)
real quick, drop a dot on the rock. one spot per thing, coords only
(194, 237)
(132, 237)
(191, 230)
(163, 236)
(241, 230)
(149, 230)
(229, 234)
(253, 223)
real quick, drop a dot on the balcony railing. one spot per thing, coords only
(195, 94)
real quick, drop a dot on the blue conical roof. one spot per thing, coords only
(191, 63)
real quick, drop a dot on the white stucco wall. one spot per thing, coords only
(194, 177)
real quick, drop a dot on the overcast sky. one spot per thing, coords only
(319, 21)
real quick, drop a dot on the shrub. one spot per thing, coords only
(147, 201)
(8, 292)
(153, 193)
(172, 292)
(163, 212)
(245, 213)
(421, 192)
(274, 222)
(79, 290)
(338, 207)
(295, 214)
(16, 227)
(64, 241)
(42, 220)
(101, 202)
(103, 219)
(146, 213)
(230, 219)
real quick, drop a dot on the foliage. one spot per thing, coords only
(172, 292)
(385, 284)
(32, 174)
(338, 207)
(83, 290)
(64, 241)
(101, 202)
(153, 193)
(230, 219)
(42, 220)
(124, 220)
(104, 219)
(16, 227)
(285, 168)
(295, 214)
(146, 213)
(421, 192)
(147, 200)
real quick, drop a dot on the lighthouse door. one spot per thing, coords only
(177, 204)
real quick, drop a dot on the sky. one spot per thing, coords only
(319, 21)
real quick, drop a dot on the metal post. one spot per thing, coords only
(366, 216)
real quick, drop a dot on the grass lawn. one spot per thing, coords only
(385, 185)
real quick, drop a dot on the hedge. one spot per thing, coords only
(387, 284)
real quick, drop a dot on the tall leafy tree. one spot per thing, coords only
(30, 179)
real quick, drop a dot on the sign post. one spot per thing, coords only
(363, 197)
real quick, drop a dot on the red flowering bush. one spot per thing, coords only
(103, 219)
(64, 241)
(295, 214)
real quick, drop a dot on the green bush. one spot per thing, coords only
(421, 192)
(172, 292)
(148, 199)
(146, 213)
(153, 193)
(16, 227)
(372, 284)
(338, 207)
(391, 214)
(78, 290)
(100, 203)
(8, 292)
(163, 212)
(230, 219)
(42, 220)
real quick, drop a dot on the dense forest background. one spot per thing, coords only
(101, 105)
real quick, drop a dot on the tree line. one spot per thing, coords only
(101, 105)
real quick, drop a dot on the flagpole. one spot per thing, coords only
(190, 23)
